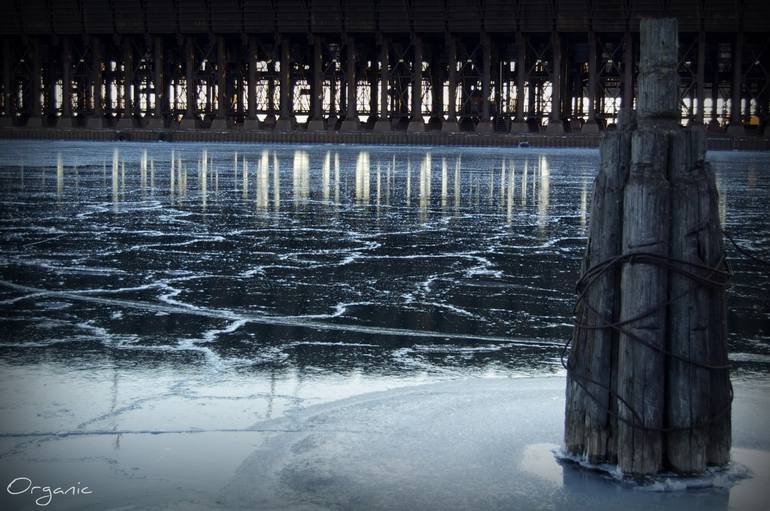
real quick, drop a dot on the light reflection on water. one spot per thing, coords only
(478, 243)
(254, 177)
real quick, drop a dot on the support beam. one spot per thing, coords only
(485, 124)
(251, 121)
(284, 122)
(316, 122)
(736, 127)
(98, 80)
(519, 124)
(555, 124)
(450, 125)
(158, 85)
(437, 86)
(566, 90)
(191, 86)
(93, 116)
(374, 99)
(628, 71)
(701, 77)
(35, 114)
(416, 123)
(351, 122)
(591, 126)
(270, 119)
(8, 113)
(223, 98)
(127, 118)
(331, 122)
(52, 84)
(66, 80)
(713, 124)
(383, 118)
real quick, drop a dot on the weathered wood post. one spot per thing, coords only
(648, 386)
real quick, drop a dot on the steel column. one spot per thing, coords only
(66, 79)
(223, 97)
(519, 124)
(95, 116)
(351, 111)
(252, 85)
(317, 79)
(628, 71)
(383, 117)
(159, 83)
(700, 77)
(416, 122)
(437, 87)
(450, 125)
(7, 82)
(485, 125)
(591, 126)
(191, 92)
(735, 126)
(316, 122)
(51, 77)
(284, 120)
(555, 124)
(129, 82)
(35, 87)
(96, 78)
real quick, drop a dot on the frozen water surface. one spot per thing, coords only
(320, 326)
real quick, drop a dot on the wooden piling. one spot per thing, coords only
(647, 380)
(591, 428)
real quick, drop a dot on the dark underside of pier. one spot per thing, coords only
(470, 72)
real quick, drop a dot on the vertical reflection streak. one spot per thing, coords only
(583, 203)
(301, 177)
(511, 192)
(326, 176)
(444, 184)
(276, 183)
(362, 180)
(203, 178)
(425, 186)
(59, 176)
(143, 173)
(408, 182)
(245, 179)
(263, 184)
(172, 177)
(378, 189)
(337, 179)
(502, 184)
(543, 195)
(388, 179)
(458, 164)
(115, 189)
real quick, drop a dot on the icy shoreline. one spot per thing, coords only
(478, 443)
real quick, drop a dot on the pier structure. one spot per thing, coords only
(487, 67)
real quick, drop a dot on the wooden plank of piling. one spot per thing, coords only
(644, 286)
(658, 83)
(687, 400)
(720, 390)
(589, 427)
